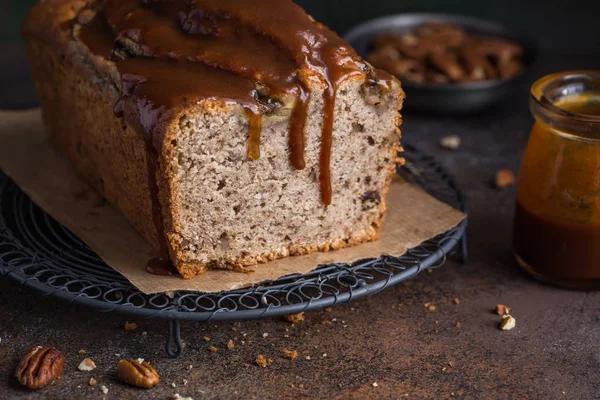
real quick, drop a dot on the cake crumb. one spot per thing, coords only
(328, 309)
(117, 354)
(261, 361)
(212, 349)
(457, 325)
(326, 322)
(189, 367)
(206, 339)
(92, 382)
(429, 306)
(308, 358)
(290, 354)
(185, 382)
(130, 326)
(501, 309)
(144, 333)
(230, 345)
(451, 364)
(173, 385)
(81, 351)
(294, 318)
(265, 335)
(233, 329)
(507, 323)
(456, 300)
(104, 389)
(246, 365)
(451, 142)
(375, 384)
(505, 178)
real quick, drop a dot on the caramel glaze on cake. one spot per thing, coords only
(171, 51)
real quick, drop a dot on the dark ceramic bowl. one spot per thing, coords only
(448, 98)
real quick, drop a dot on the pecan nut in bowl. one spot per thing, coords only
(40, 366)
(136, 373)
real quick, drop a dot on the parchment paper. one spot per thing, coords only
(54, 185)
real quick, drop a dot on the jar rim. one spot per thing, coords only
(561, 79)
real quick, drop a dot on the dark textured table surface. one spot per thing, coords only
(384, 346)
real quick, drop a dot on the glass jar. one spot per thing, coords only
(557, 219)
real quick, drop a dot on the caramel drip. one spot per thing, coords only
(254, 129)
(186, 51)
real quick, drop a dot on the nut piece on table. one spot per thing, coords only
(138, 374)
(40, 366)
(87, 365)
(501, 309)
(451, 142)
(505, 178)
(507, 323)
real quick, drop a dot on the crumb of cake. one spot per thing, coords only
(261, 361)
(265, 335)
(324, 355)
(290, 354)
(437, 322)
(212, 349)
(352, 308)
(429, 307)
(140, 360)
(444, 369)
(144, 333)
(301, 386)
(246, 365)
(92, 382)
(230, 345)
(189, 367)
(451, 142)
(339, 385)
(294, 318)
(345, 326)
(117, 355)
(508, 323)
(451, 364)
(308, 358)
(206, 339)
(130, 326)
(185, 382)
(457, 325)
(456, 300)
(104, 389)
(82, 351)
(374, 384)
(326, 322)
(328, 309)
(234, 329)
(87, 365)
(505, 178)
(173, 385)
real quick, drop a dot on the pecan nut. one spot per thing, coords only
(40, 366)
(140, 374)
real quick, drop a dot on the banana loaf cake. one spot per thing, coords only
(229, 132)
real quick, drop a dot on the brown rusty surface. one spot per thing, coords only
(390, 339)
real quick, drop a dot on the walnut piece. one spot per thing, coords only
(505, 178)
(40, 366)
(138, 374)
(507, 323)
(87, 365)
(501, 309)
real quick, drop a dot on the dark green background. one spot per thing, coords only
(558, 25)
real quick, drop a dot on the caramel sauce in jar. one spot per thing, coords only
(557, 219)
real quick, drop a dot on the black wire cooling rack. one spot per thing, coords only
(41, 254)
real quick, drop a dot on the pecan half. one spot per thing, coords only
(138, 374)
(40, 366)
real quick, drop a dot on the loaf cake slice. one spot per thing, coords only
(228, 132)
